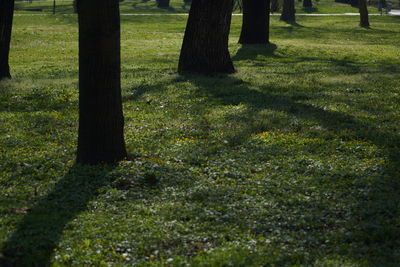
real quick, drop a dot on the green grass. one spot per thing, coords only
(178, 6)
(292, 161)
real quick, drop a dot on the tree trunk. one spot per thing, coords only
(255, 27)
(307, 3)
(205, 45)
(75, 6)
(101, 122)
(354, 3)
(274, 6)
(6, 18)
(163, 3)
(364, 22)
(288, 11)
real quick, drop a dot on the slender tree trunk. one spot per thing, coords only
(205, 45)
(101, 122)
(75, 6)
(6, 18)
(307, 3)
(364, 21)
(288, 11)
(255, 27)
(274, 6)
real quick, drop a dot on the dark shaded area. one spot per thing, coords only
(310, 9)
(252, 51)
(39, 232)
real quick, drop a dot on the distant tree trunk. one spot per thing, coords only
(274, 6)
(288, 11)
(163, 3)
(255, 27)
(6, 18)
(101, 122)
(307, 3)
(205, 45)
(364, 21)
(75, 6)
(354, 3)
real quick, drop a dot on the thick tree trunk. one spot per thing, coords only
(6, 18)
(101, 121)
(288, 11)
(255, 27)
(205, 45)
(307, 3)
(364, 21)
(163, 3)
(274, 6)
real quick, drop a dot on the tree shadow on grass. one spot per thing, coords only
(373, 229)
(310, 9)
(246, 52)
(293, 24)
(40, 230)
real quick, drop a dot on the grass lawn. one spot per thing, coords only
(294, 160)
(178, 6)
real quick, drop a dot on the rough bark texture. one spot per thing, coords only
(255, 27)
(307, 3)
(288, 11)
(101, 120)
(6, 18)
(364, 21)
(205, 45)
(274, 6)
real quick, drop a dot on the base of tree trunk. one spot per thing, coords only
(288, 11)
(6, 19)
(364, 20)
(205, 44)
(163, 3)
(5, 72)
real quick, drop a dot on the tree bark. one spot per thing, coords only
(101, 122)
(364, 21)
(288, 11)
(163, 3)
(255, 27)
(274, 6)
(6, 18)
(307, 3)
(205, 45)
